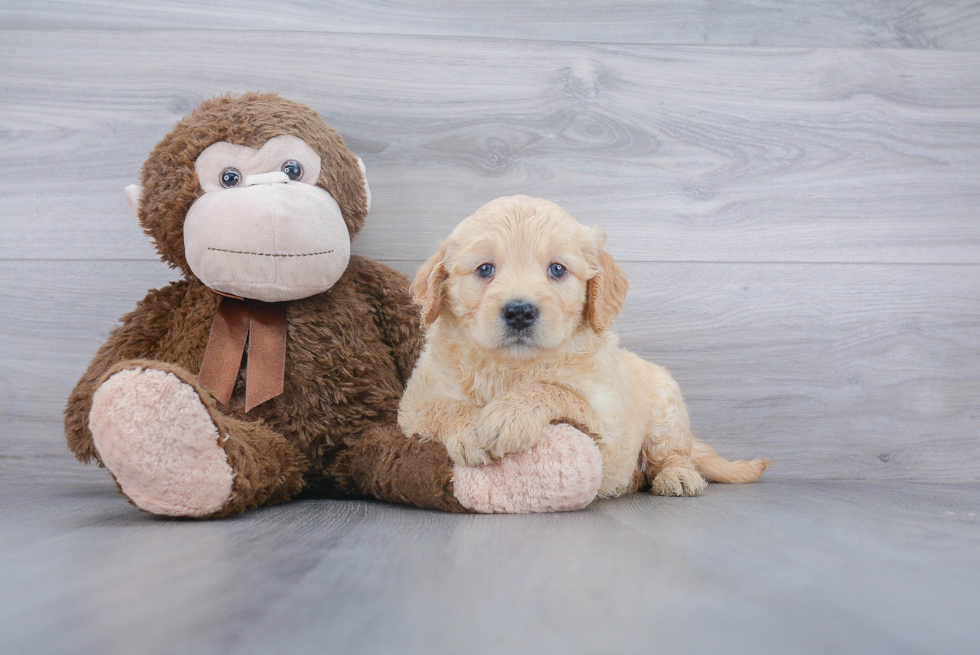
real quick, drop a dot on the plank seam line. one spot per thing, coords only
(692, 46)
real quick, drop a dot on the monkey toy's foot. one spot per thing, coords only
(156, 437)
(561, 472)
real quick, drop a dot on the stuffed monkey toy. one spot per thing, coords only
(276, 366)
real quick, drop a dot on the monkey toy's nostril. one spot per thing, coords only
(519, 315)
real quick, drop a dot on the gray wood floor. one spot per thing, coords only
(778, 567)
(794, 189)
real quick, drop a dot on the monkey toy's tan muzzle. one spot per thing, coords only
(270, 239)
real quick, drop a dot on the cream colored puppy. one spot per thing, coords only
(519, 302)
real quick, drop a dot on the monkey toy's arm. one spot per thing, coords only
(136, 338)
(381, 461)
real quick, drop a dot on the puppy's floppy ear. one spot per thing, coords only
(427, 287)
(606, 290)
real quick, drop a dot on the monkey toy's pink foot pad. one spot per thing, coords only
(155, 435)
(562, 472)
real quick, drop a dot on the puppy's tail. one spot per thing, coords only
(716, 468)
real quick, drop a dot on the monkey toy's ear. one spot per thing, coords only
(367, 189)
(133, 193)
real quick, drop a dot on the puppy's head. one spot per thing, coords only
(521, 276)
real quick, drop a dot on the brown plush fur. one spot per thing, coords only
(350, 350)
(170, 183)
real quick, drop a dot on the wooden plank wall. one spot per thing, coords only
(794, 191)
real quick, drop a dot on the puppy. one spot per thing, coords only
(519, 302)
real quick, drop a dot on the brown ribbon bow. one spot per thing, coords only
(263, 324)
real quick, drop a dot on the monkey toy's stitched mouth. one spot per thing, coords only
(271, 254)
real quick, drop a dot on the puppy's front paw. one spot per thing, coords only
(465, 450)
(677, 481)
(505, 426)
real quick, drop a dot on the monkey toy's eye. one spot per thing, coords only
(557, 271)
(293, 169)
(485, 270)
(230, 177)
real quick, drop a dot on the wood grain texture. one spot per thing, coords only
(802, 231)
(773, 568)
(683, 154)
(833, 371)
(951, 24)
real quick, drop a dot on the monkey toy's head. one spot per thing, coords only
(255, 197)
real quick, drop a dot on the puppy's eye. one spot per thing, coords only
(230, 177)
(485, 270)
(557, 271)
(293, 169)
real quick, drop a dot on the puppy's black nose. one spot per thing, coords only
(519, 314)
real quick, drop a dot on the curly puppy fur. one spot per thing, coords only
(350, 350)
(486, 384)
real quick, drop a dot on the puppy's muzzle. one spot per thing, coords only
(519, 315)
